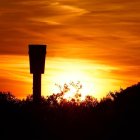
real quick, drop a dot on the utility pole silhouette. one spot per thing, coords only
(37, 54)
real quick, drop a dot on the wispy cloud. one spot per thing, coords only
(103, 25)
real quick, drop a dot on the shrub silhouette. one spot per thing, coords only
(114, 117)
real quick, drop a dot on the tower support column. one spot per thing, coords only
(36, 87)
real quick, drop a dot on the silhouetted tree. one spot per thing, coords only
(116, 116)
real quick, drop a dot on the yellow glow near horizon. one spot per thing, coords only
(97, 79)
(74, 76)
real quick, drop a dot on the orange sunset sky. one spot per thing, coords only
(96, 42)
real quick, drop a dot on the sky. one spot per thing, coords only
(96, 42)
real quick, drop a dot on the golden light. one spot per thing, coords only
(77, 82)
(71, 73)
(94, 77)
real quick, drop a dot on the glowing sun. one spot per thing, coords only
(74, 85)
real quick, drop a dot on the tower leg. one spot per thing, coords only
(36, 87)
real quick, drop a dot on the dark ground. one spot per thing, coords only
(115, 117)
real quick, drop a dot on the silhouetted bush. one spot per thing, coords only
(115, 117)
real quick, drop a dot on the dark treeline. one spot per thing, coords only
(115, 117)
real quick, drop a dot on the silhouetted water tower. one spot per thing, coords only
(37, 55)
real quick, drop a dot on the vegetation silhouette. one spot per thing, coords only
(115, 117)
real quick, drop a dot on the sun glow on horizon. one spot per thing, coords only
(74, 90)
(73, 76)
(93, 76)
(77, 72)
(96, 79)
